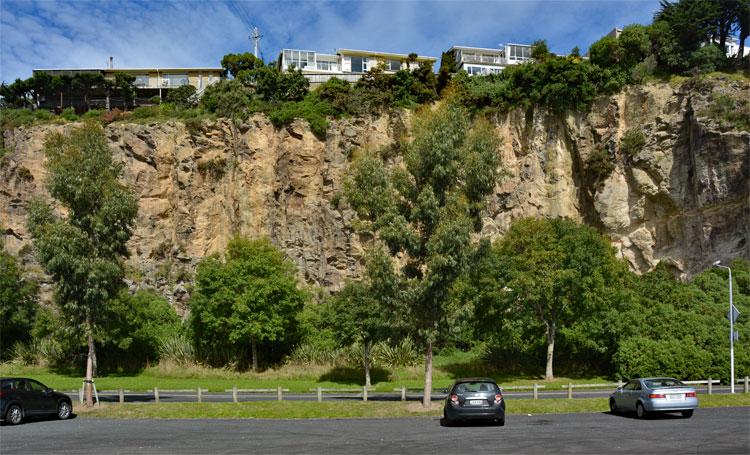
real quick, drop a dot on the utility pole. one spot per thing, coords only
(256, 36)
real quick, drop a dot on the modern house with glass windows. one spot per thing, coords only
(482, 60)
(346, 64)
(149, 82)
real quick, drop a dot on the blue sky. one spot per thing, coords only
(176, 33)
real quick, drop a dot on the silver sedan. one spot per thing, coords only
(647, 395)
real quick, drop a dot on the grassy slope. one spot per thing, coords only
(337, 409)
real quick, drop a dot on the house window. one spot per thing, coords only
(299, 59)
(174, 80)
(393, 65)
(325, 66)
(359, 64)
(141, 80)
(520, 52)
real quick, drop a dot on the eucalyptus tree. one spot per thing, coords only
(425, 205)
(83, 249)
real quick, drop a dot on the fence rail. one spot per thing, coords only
(364, 392)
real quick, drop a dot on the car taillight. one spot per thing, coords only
(2, 394)
(498, 398)
(454, 398)
(657, 395)
(690, 395)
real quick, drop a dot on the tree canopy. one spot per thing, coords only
(249, 296)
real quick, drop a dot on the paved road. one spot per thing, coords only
(215, 397)
(711, 430)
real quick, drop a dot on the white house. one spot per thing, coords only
(483, 60)
(346, 64)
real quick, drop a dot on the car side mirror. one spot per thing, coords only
(48, 390)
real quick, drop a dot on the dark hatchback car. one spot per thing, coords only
(22, 397)
(474, 399)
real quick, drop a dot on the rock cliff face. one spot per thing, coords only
(683, 197)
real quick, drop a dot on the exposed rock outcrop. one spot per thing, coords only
(683, 198)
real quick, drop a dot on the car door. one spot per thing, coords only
(28, 400)
(627, 396)
(45, 402)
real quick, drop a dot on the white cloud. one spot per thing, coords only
(78, 33)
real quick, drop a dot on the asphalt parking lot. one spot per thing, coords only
(711, 430)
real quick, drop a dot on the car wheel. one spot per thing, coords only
(640, 411)
(14, 415)
(687, 414)
(613, 406)
(445, 421)
(500, 422)
(63, 410)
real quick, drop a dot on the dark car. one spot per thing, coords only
(22, 397)
(474, 399)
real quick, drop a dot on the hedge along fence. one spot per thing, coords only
(364, 392)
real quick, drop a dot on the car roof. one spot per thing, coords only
(458, 381)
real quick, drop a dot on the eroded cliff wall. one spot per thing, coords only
(683, 198)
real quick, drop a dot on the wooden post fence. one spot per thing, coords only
(403, 391)
(234, 394)
(279, 392)
(536, 391)
(320, 395)
(122, 396)
(570, 390)
(156, 394)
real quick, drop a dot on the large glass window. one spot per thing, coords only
(393, 65)
(175, 80)
(141, 80)
(359, 64)
(520, 52)
(299, 59)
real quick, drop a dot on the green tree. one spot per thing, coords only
(427, 210)
(125, 85)
(135, 326)
(250, 296)
(18, 304)
(367, 311)
(539, 51)
(226, 98)
(448, 67)
(183, 96)
(233, 64)
(557, 271)
(83, 250)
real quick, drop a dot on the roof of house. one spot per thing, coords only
(382, 54)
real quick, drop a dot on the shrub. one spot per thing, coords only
(728, 111)
(599, 165)
(177, 349)
(226, 98)
(24, 174)
(183, 96)
(404, 353)
(146, 112)
(69, 114)
(632, 142)
(707, 59)
(112, 116)
(213, 168)
(95, 114)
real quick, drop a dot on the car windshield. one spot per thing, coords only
(662, 383)
(475, 387)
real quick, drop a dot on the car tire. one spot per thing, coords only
(613, 409)
(640, 411)
(500, 422)
(14, 414)
(687, 414)
(445, 421)
(63, 410)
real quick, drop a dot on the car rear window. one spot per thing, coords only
(6, 384)
(472, 387)
(663, 383)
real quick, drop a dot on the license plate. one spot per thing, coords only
(476, 402)
(676, 396)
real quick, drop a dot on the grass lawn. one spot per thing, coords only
(296, 378)
(338, 409)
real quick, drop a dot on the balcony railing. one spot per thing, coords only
(487, 60)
